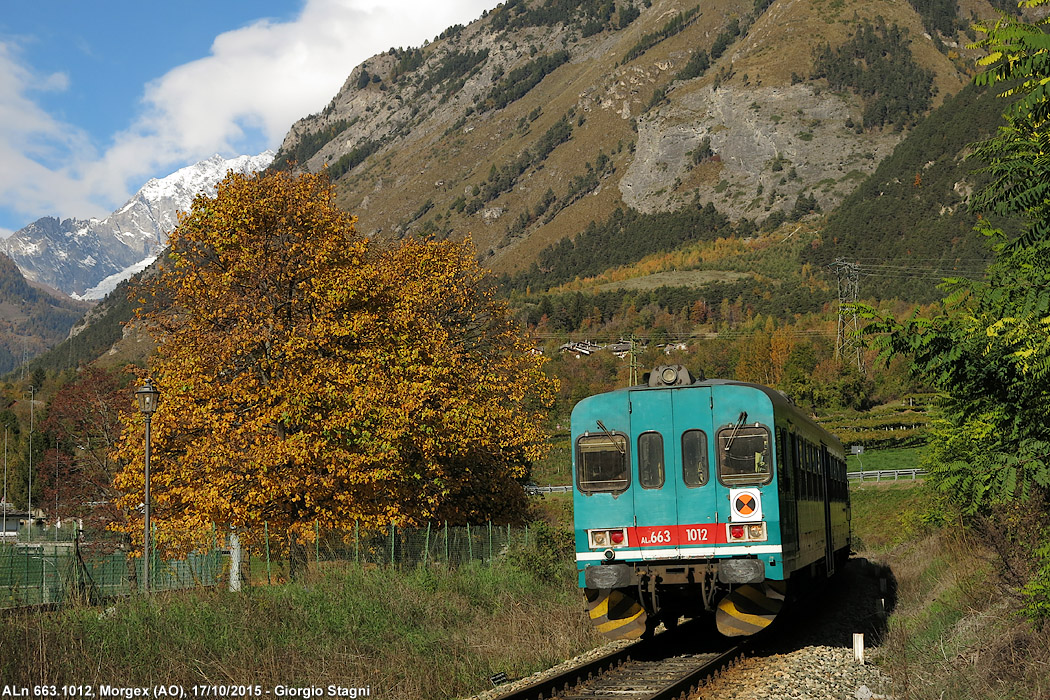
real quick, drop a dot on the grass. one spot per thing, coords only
(953, 631)
(555, 468)
(423, 633)
(881, 512)
(890, 458)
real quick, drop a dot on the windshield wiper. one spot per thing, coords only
(612, 438)
(736, 428)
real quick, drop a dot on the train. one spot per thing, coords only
(695, 496)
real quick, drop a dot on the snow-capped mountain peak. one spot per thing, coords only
(77, 255)
(203, 176)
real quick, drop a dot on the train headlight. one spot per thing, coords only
(600, 539)
(669, 375)
(753, 532)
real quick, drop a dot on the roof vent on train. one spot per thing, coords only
(669, 375)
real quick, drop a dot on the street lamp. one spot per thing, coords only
(147, 396)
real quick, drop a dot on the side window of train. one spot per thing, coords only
(694, 457)
(651, 460)
(809, 471)
(744, 454)
(796, 464)
(602, 464)
(783, 465)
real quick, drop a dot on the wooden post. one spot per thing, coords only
(858, 648)
(235, 561)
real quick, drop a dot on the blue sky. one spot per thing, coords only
(98, 97)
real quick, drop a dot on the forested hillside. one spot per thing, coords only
(30, 318)
(909, 222)
(535, 123)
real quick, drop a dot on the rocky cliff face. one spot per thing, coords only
(490, 130)
(768, 145)
(87, 258)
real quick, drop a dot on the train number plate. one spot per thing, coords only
(677, 535)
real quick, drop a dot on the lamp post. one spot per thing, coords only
(29, 507)
(147, 396)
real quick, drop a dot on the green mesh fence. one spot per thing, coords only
(266, 558)
(56, 573)
(53, 573)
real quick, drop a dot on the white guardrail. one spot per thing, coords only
(547, 489)
(886, 474)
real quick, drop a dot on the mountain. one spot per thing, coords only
(569, 138)
(87, 258)
(31, 319)
(545, 118)
(907, 225)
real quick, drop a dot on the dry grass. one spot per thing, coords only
(954, 631)
(428, 633)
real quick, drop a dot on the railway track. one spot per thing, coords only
(660, 668)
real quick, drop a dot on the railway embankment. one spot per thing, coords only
(954, 630)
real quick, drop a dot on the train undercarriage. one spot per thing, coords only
(629, 600)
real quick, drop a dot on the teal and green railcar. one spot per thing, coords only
(695, 496)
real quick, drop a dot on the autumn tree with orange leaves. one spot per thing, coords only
(307, 375)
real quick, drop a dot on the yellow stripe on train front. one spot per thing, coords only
(616, 615)
(628, 628)
(746, 610)
(760, 598)
(601, 609)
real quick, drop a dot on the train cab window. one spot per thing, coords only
(744, 454)
(694, 457)
(601, 463)
(651, 460)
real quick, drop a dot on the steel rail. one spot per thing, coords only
(565, 682)
(550, 687)
(690, 681)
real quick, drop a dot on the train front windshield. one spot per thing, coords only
(601, 463)
(744, 454)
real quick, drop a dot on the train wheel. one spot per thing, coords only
(616, 614)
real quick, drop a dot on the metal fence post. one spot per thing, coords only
(446, 544)
(266, 534)
(426, 547)
(490, 541)
(392, 562)
(357, 542)
(470, 545)
(317, 541)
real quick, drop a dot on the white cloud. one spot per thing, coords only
(35, 149)
(257, 79)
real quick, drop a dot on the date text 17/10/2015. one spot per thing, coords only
(43, 692)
